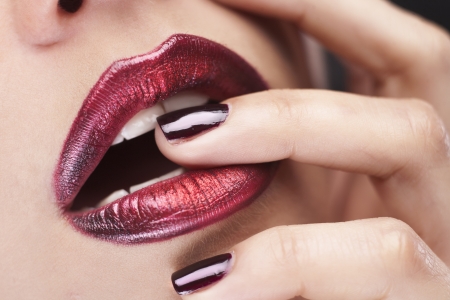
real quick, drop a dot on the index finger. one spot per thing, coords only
(373, 34)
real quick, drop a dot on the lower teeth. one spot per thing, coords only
(113, 197)
(122, 193)
(155, 180)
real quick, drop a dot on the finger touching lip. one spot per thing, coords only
(180, 204)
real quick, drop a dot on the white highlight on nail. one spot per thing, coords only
(143, 122)
(198, 118)
(184, 100)
(113, 197)
(155, 180)
(203, 273)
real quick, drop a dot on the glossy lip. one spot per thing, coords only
(184, 203)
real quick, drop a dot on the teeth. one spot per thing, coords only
(155, 180)
(184, 100)
(113, 197)
(122, 193)
(143, 122)
(119, 139)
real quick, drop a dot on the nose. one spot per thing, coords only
(44, 22)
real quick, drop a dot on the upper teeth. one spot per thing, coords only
(145, 120)
(184, 100)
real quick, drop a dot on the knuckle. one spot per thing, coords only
(288, 253)
(440, 47)
(428, 130)
(434, 45)
(428, 48)
(283, 246)
(401, 250)
(283, 106)
(289, 113)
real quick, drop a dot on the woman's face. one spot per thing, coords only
(49, 60)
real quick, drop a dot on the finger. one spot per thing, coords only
(337, 130)
(373, 34)
(407, 56)
(369, 259)
(394, 141)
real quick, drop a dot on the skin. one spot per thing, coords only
(392, 129)
(49, 61)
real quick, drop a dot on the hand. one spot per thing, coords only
(393, 129)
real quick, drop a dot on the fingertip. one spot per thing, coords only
(162, 143)
(180, 134)
(171, 150)
(192, 281)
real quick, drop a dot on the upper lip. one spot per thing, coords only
(182, 62)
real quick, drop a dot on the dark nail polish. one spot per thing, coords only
(201, 274)
(188, 122)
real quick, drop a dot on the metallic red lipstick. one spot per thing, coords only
(181, 204)
(176, 206)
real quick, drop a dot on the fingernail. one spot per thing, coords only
(191, 121)
(201, 274)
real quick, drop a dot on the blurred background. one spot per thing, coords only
(436, 10)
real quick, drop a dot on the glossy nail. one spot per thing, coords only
(201, 274)
(191, 121)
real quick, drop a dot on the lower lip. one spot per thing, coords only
(176, 206)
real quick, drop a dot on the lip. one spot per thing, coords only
(181, 204)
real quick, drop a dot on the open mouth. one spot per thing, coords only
(134, 161)
(113, 183)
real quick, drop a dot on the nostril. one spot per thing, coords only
(70, 6)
